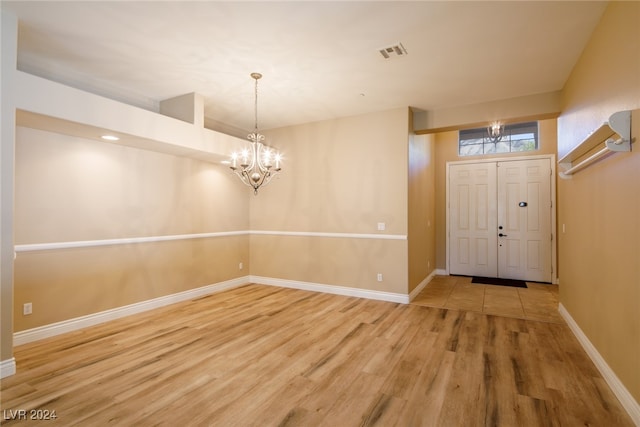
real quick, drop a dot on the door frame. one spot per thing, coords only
(554, 207)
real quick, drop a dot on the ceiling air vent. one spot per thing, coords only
(393, 51)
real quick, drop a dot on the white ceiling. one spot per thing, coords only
(319, 59)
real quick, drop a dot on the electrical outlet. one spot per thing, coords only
(27, 309)
(379, 277)
(381, 226)
(240, 266)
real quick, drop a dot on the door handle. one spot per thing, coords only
(502, 235)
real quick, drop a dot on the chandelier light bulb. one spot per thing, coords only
(267, 158)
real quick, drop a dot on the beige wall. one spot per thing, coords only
(520, 109)
(346, 175)
(446, 144)
(421, 237)
(71, 189)
(606, 78)
(600, 206)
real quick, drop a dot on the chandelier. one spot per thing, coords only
(257, 164)
(495, 131)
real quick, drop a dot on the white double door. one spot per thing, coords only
(500, 216)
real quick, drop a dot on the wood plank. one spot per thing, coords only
(265, 356)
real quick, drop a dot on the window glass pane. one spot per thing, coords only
(523, 145)
(471, 141)
(471, 150)
(517, 137)
(502, 147)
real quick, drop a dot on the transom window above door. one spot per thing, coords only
(516, 137)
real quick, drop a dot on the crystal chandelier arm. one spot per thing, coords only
(263, 158)
(245, 177)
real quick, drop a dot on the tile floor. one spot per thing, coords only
(536, 302)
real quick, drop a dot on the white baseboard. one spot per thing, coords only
(626, 399)
(331, 289)
(7, 367)
(422, 285)
(441, 272)
(53, 329)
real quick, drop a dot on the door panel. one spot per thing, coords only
(472, 195)
(524, 212)
(510, 198)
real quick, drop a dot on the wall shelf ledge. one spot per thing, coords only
(619, 125)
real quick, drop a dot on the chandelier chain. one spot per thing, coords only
(256, 107)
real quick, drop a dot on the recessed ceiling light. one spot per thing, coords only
(110, 137)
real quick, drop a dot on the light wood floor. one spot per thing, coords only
(535, 302)
(267, 356)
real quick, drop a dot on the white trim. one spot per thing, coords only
(554, 221)
(151, 239)
(70, 325)
(339, 235)
(332, 289)
(7, 367)
(442, 272)
(624, 396)
(53, 329)
(504, 159)
(123, 241)
(422, 285)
